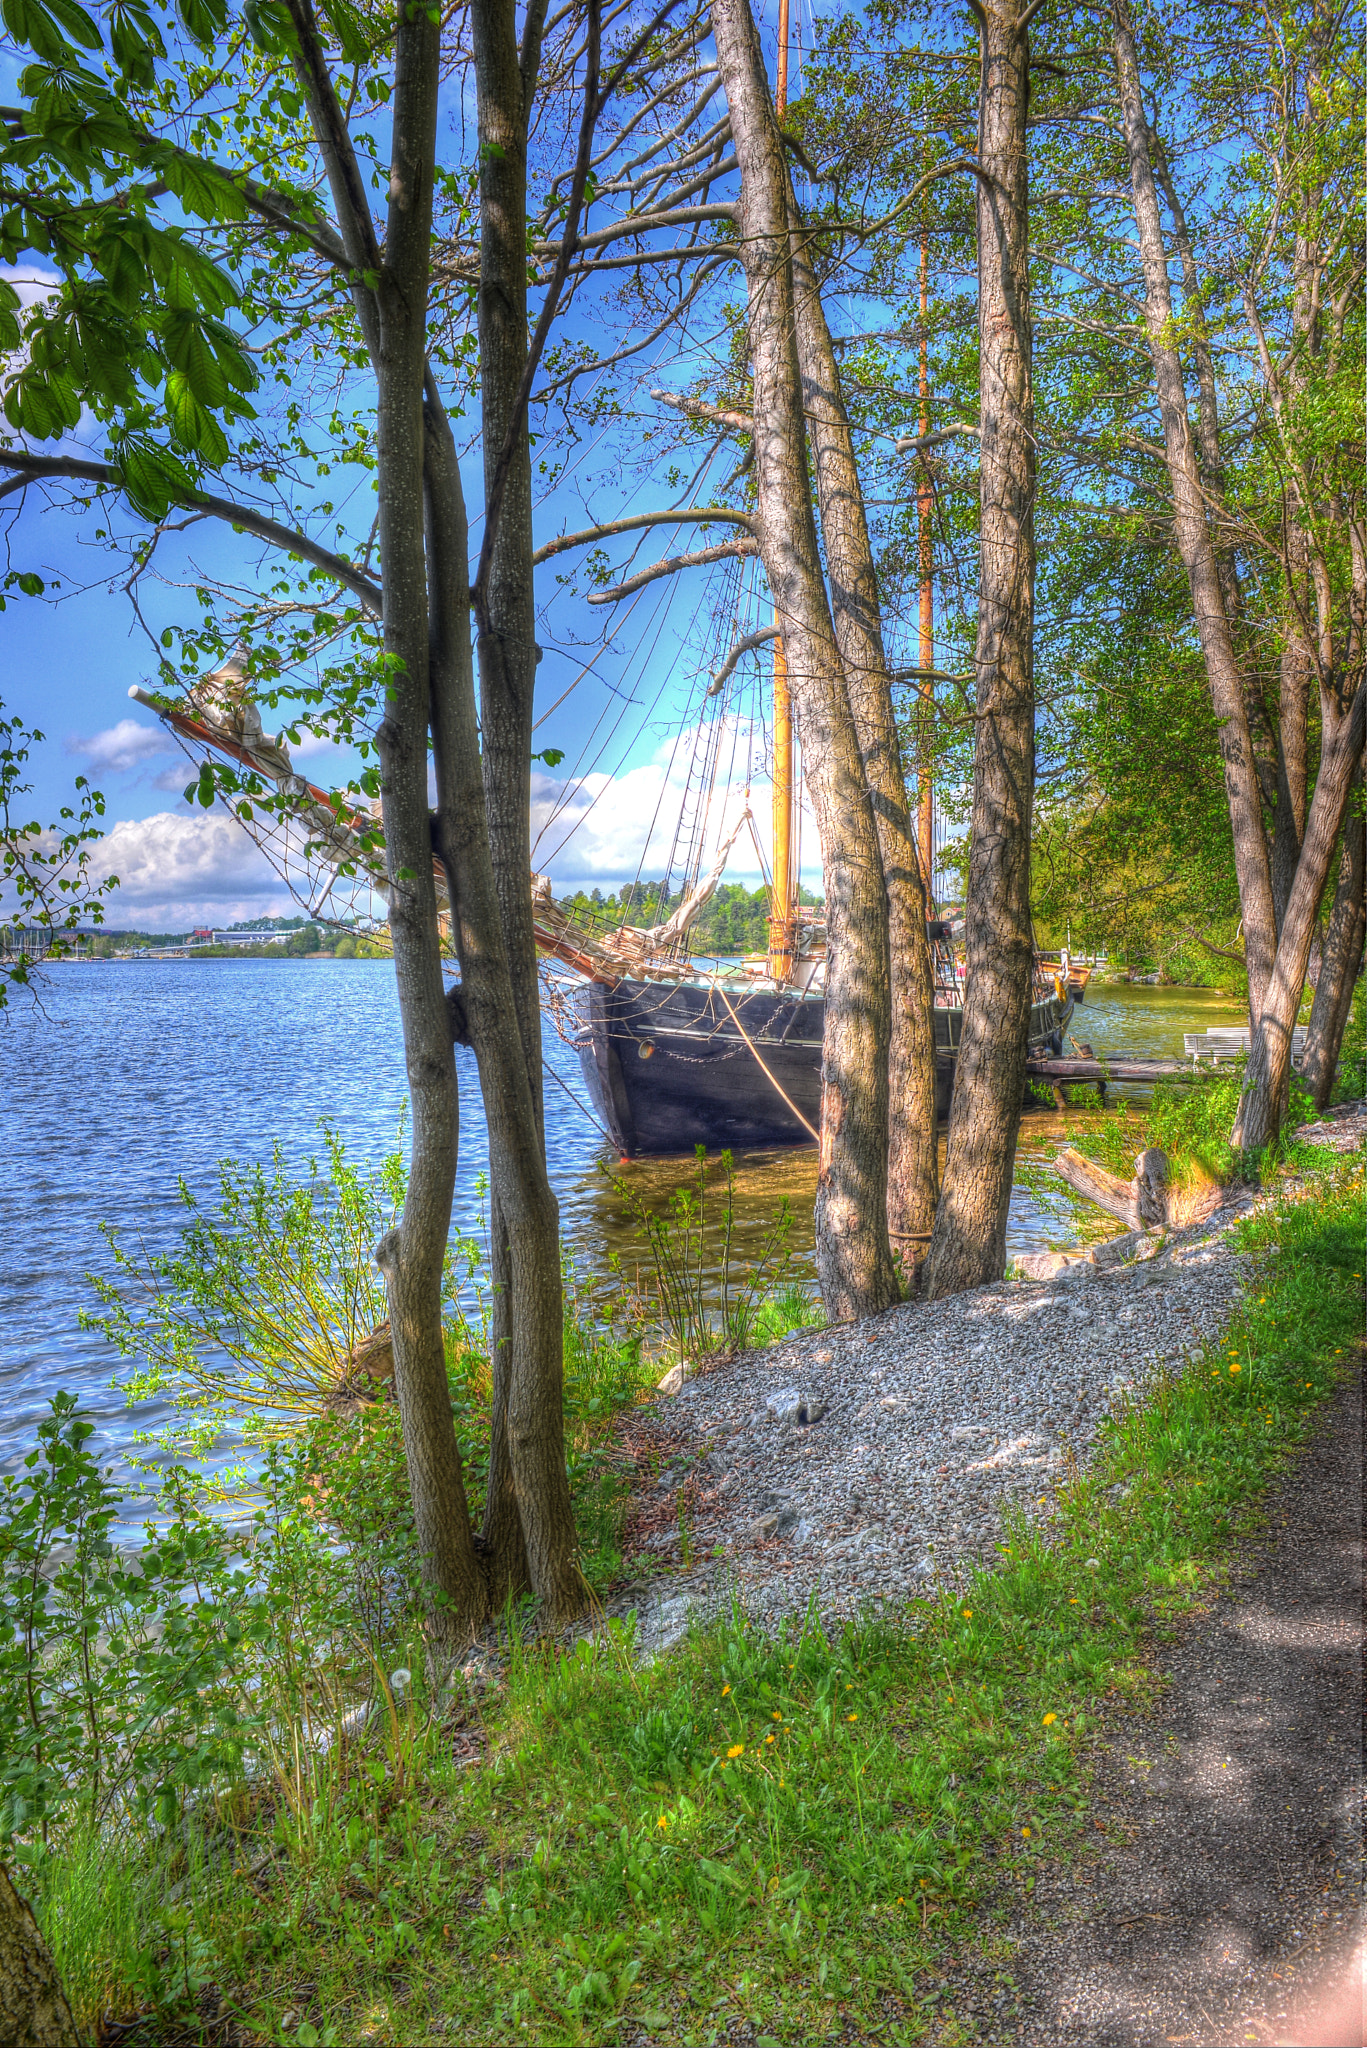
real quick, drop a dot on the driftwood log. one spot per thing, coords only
(1149, 1201)
(1119, 1198)
(33, 2008)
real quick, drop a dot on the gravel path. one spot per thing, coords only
(1223, 1902)
(856, 1464)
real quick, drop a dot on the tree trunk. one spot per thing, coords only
(529, 1524)
(532, 1514)
(1269, 1065)
(1193, 536)
(1342, 958)
(33, 2008)
(411, 1257)
(854, 1262)
(913, 1145)
(969, 1244)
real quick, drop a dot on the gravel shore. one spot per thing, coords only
(851, 1468)
(856, 1465)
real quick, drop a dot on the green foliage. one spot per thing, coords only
(735, 920)
(112, 1671)
(45, 876)
(1350, 1083)
(799, 1825)
(251, 1321)
(694, 1291)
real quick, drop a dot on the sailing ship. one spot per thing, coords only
(676, 1051)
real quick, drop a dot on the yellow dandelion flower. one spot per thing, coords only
(725, 1690)
(924, 1882)
(1026, 1833)
(736, 1749)
(851, 1717)
(967, 1613)
(1072, 1603)
(662, 1822)
(776, 1716)
(1049, 1720)
(768, 1738)
(1236, 1368)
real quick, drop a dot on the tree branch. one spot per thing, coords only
(924, 441)
(34, 468)
(688, 254)
(744, 646)
(640, 224)
(724, 551)
(354, 217)
(690, 514)
(698, 409)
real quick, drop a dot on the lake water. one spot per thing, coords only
(137, 1073)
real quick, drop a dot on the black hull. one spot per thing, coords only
(668, 1066)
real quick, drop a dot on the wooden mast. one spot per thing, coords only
(925, 508)
(782, 921)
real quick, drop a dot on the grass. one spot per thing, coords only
(793, 1831)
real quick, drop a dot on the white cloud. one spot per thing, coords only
(121, 747)
(30, 282)
(603, 829)
(179, 869)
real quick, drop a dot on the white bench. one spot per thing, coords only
(1231, 1044)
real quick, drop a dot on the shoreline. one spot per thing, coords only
(858, 1467)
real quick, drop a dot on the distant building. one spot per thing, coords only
(25, 941)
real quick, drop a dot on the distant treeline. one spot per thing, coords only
(735, 920)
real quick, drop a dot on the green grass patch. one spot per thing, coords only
(795, 1830)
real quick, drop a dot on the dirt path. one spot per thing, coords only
(1222, 1902)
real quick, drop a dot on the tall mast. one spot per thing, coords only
(925, 509)
(781, 919)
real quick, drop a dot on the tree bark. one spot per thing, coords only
(529, 1525)
(1269, 1063)
(1193, 536)
(854, 1262)
(533, 1517)
(33, 2009)
(1342, 958)
(411, 1257)
(969, 1244)
(913, 1142)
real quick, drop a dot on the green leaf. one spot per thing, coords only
(195, 426)
(348, 25)
(77, 23)
(153, 477)
(31, 585)
(202, 189)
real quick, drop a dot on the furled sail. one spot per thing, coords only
(634, 945)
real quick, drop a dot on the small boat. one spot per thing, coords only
(1071, 969)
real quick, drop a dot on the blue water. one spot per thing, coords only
(134, 1074)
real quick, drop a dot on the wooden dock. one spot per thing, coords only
(1106, 1069)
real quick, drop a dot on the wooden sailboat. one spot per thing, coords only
(676, 1051)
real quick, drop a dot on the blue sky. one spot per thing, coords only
(69, 659)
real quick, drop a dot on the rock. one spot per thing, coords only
(788, 1405)
(672, 1383)
(1113, 1251)
(1049, 1266)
